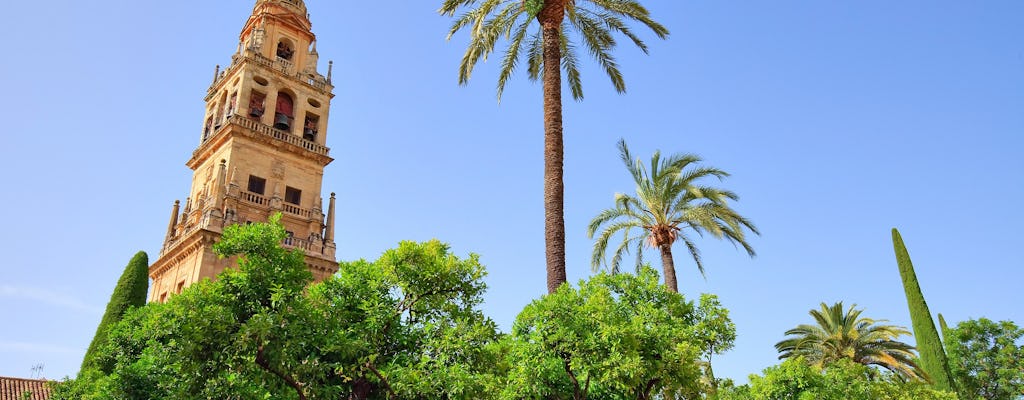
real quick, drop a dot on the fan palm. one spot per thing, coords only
(670, 205)
(549, 49)
(843, 333)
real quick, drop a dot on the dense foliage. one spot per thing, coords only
(672, 203)
(617, 336)
(987, 359)
(796, 379)
(843, 334)
(407, 325)
(130, 292)
(933, 357)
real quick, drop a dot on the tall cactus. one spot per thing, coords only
(929, 347)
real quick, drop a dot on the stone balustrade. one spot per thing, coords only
(285, 67)
(277, 134)
(171, 242)
(308, 246)
(296, 210)
(254, 198)
(266, 131)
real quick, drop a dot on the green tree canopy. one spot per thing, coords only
(843, 334)
(796, 379)
(405, 326)
(986, 359)
(616, 336)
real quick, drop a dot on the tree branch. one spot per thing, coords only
(383, 380)
(575, 383)
(261, 360)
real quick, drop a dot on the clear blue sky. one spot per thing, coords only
(838, 121)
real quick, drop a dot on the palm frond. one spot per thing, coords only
(508, 64)
(535, 55)
(842, 333)
(570, 65)
(593, 24)
(672, 204)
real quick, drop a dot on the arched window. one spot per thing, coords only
(256, 104)
(231, 104)
(219, 115)
(310, 127)
(206, 129)
(285, 49)
(283, 116)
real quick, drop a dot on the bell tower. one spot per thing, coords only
(262, 150)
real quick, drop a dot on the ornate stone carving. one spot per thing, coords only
(277, 170)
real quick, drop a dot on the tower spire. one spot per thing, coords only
(174, 220)
(329, 230)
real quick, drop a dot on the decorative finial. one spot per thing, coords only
(173, 222)
(330, 69)
(329, 226)
(216, 72)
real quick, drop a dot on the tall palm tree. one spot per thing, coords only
(670, 205)
(561, 25)
(843, 333)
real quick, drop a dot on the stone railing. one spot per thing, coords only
(292, 209)
(173, 241)
(309, 246)
(254, 198)
(285, 67)
(266, 131)
(296, 4)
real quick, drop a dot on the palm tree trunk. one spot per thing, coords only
(550, 18)
(669, 267)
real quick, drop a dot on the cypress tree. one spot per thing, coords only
(929, 347)
(943, 328)
(130, 292)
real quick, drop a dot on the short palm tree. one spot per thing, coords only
(562, 25)
(843, 333)
(671, 204)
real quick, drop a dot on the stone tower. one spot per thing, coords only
(262, 150)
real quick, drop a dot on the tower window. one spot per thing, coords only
(310, 127)
(218, 117)
(257, 185)
(256, 104)
(285, 50)
(292, 195)
(206, 129)
(231, 104)
(283, 113)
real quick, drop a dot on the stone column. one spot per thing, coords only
(174, 221)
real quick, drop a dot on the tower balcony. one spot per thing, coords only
(193, 221)
(278, 65)
(238, 124)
